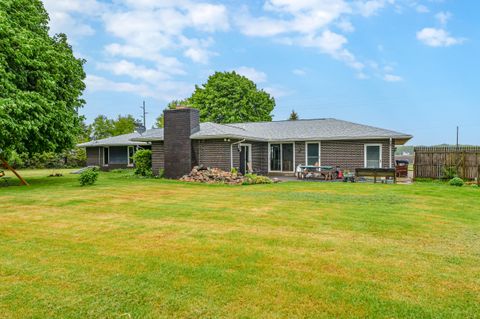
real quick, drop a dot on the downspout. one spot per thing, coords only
(390, 153)
(231, 151)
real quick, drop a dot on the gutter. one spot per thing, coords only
(231, 151)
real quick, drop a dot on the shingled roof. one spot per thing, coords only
(120, 140)
(300, 130)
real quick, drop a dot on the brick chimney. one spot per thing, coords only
(179, 124)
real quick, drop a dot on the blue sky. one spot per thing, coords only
(407, 65)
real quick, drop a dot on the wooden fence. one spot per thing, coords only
(431, 162)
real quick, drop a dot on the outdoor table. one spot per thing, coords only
(304, 170)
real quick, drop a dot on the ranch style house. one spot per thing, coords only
(269, 148)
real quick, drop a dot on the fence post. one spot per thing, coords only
(478, 170)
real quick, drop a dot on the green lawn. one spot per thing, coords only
(137, 248)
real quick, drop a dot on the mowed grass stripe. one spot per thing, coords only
(155, 248)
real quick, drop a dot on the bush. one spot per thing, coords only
(251, 179)
(143, 163)
(88, 177)
(68, 159)
(456, 181)
(449, 172)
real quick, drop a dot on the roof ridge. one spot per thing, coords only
(369, 126)
(279, 121)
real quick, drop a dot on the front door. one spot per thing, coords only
(373, 156)
(245, 156)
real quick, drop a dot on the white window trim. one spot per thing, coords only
(319, 152)
(365, 154)
(281, 158)
(128, 155)
(103, 156)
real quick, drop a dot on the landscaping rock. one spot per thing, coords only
(204, 174)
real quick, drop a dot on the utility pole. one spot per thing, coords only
(144, 115)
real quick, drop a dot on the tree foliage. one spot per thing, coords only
(41, 82)
(103, 127)
(228, 97)
(159, 122)
(293, 116)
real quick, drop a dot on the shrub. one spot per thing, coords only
(161, 172)
(88, 177)
(234, 171)
(251, 179)
(456, 181)
(15, 160)
(143, 163)
(450, 172)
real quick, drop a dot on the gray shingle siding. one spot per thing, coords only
(260, 157)
(299, 153)
(94, 156)
(351, 154)
(158, 157)
(214, 153)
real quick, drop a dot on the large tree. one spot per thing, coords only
(41, 82)
(125, 124)
(103, 127)
(228, 97)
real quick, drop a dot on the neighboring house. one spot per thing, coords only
(262, 147)
(113, 152)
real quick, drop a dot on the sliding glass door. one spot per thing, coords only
(282, 157)
(275, 157)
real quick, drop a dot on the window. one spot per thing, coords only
(282, 157)
(131, 152)
(106, 156)
(373, 156)
(313, 153)
(275, 155)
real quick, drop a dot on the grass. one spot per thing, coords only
(140, 248)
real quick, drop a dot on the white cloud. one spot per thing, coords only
(299, 72)
(138, 72)
(150, 28)
(371, 7)
(209, 17)
(63, 22)
(333, 44)
(437, 38)
(345, 26)
(165, 91)
(308, 23)
(443, 17)
(96, 83)
(422, 8)
(252, 74)
(277, 91)
(72, 17)
(261, 27)
(392, 78)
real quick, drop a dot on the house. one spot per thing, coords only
(271, 148)
(113, 152)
